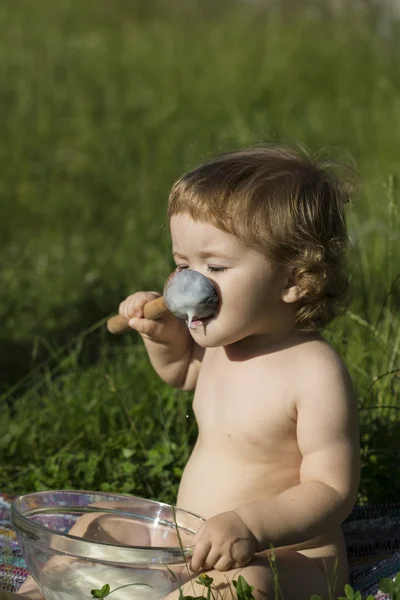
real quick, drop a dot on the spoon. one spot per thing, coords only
(187, 294)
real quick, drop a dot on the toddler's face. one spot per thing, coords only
(249, 286)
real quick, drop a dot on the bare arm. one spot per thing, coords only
(171, 349)
(170, 356)
(193, 370)
(328, 439)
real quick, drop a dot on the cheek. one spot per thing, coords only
(247, 296)
(239, 305)
(234, 294)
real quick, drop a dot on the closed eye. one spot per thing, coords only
(217, 269)
(209, 268)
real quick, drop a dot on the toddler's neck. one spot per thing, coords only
(257, 345)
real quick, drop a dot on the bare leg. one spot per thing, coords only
(298, 577)
(9, 596)
(94, 526)
(30, 589)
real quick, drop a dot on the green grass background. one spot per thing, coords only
(102, 106)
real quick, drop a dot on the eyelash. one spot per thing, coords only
(210, 269)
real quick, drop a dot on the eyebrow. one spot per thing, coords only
(209, 254)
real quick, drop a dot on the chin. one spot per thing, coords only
(210, 338)
(207, 344)
(205, 341)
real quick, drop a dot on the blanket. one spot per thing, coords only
(372, 535)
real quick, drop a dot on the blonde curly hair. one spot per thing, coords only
(286, 204)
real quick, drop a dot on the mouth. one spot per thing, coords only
(196, 322)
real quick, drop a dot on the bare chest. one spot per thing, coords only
(249, 405)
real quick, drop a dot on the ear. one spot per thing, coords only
(291, 292)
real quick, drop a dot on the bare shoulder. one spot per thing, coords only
(317, 364)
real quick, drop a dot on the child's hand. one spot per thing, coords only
(223, 542)
(161, 330)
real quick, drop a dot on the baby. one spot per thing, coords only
(276, 463)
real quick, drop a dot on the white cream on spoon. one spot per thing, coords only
(190, 294)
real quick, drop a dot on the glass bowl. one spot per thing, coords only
(76, 541)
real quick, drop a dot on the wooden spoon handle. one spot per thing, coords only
(152, 310)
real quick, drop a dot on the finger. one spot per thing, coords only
(241, 559)
(132, 306)
(122, 310)
(200, 553)
(146, 327)
(211, 559)
(142, 300)
(127, 308)
(224, 563)
(197, 536)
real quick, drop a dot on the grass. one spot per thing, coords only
(102, 106)
(241, 590)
